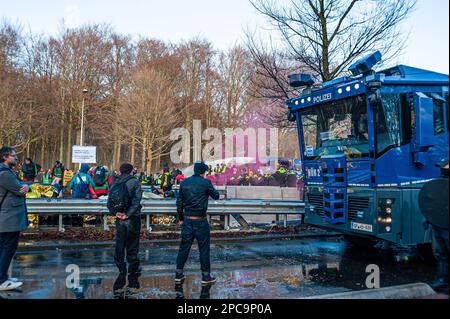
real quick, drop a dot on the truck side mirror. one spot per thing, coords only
(423, 127)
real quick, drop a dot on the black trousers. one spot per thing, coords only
(200, 230)
(440, 244)
(8, 247)
(127, 244)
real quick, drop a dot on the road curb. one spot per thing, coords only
(409, 291)
(108, 244)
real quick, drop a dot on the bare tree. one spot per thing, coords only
(120, 59)
(12, 115)
(138, 91)
(235, 69)
(328, 35)
(147, 115)
(196, 63)
(320, 37)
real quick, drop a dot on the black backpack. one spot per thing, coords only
(99, 176)
(119, 199)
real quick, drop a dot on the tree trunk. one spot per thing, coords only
(69, 140)
(144, 153)
(119, 151)
(42, 152)
(114, 158)
(149, 160)
(61, 138)
(133, 151)
(29, 128)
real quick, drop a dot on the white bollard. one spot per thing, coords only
(147, 222)
(227, 222)
(105, 223)
(60, 223)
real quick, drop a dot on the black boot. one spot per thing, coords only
(441, 283)
(133, 279)
(179, 291)
(120, 283)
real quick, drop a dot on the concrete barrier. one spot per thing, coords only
(262, 192)
(410, 291)
(290, 193)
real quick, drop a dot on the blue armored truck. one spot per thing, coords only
(368, 143)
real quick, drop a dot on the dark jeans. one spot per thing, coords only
(440, 244)
(127, 241)
(199, 230)
(8, 247)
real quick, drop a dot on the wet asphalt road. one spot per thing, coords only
(247, 270)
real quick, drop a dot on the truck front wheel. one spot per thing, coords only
(361, 242)
(425, 253)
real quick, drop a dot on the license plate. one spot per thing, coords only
(361, 227)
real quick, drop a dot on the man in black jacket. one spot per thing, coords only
(192, 205)
(128, 227)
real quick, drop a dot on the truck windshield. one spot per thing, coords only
(339, 127)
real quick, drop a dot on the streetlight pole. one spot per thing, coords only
(82, 120)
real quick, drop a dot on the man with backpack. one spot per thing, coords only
(102, 180)
(82, 185)
(124, 201)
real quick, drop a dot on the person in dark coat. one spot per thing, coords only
(440, 243)
(128, 228)
(192, 206)
(30, 170)
(13, 215)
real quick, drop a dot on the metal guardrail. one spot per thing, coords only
(225, 208)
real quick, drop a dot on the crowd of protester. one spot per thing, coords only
(92, 182)
(232, 175)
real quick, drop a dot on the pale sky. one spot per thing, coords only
(220, 21)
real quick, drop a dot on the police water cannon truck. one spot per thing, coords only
(368, 143)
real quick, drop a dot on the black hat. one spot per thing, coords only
(126, 168)
(200, 168)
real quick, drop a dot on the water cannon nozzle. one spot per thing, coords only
(299, 80)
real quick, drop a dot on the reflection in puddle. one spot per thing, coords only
(288, 269)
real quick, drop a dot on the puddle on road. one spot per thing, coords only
(266, 282)
(256, 270)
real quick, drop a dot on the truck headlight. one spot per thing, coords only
(385, 205)
(384, 217)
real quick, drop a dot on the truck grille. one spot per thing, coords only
(317, 201)
(355, 205)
